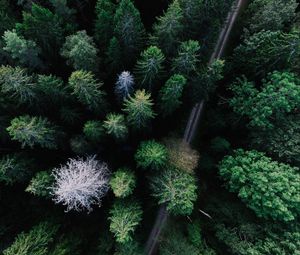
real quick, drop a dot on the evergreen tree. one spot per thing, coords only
(32, 131)
(151, 155)
(40, 184)
(115, 126)
(124, 85)
(114, 55)
(269, 188)
(25, 52)
(105, 10)
(129, 30)
(175, 188)
(7, 20)
(93, 130)
(139, 109)
(87, 90)
(168, 29)
(186, 60)
(171, 93)
(80, 51)
(125, 216)
(123, 182)
(150, 66)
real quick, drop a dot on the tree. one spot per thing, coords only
(15, 168)
(129, 30)
(124, 85)
(125, 216)
(175, 188)
(105, 10)
(123, 182)
(80, 183)
(278, 96)
(115, 126)
(80, 51)
(171, 93)
(93, 130)
(269, 188)
(168, 29)
(114, 55)
(25, 52)
(87, 90)
(7, 19)
(271, 15)
(139, 109)
(151, 155)
(40, 184)
(17, 84)
(36, 241)
(43, 27)
(150, 66)
(186, 60)
(32, 131)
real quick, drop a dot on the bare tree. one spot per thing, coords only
(124, 84)
(81, 183)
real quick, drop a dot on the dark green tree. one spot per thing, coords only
(123, 182)
(94, 131)
(114, 55)
(115, 126)
(40, 184)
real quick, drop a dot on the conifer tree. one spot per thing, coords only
(93, 130)
(80, 51)
(123, 182)
(168, 29)
(124, 85)
(129, 30)
(40, 184)
(171, 93)
(124, 218)
(114, 55)
(139, 109)
(32, 131)
(115, 125)
(25, 52)
(150, 66)
(87, 90)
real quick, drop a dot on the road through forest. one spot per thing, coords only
(193, 121)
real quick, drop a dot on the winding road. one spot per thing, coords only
(193, 121)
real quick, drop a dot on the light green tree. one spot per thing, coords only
(123, 182)
(115, 126)
(40, 184)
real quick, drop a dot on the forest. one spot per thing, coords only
(162, 127)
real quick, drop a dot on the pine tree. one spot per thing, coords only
(129, 30)
(40, 184)
(171, 93)
(32, 131)
(123, 182)
(168, 29)
(115, 125)
(186, 61)
(125, 216)
(87, 90)
(124, 85)
(150, 66)
(151, 155)
(139, 109)
(93, 130)
(114, 56)
(25, 52)
(80, 51)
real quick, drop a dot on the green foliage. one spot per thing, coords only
(129, 30)
(6, 16)
(151, 155)
(130, 248)
(171, 93)
(32, 131)
(269, 188)
(14, 168)
(279, 95)
(35, 242)
(123, 182)
(150, 66)
(79, 145)
(40, 184)
(43, 27)
(125, 216)
(17, 84)
(105, 10)
(115, 125)
(114, 55)
(168, 29)
(93, 130)
(219, 144)
(80, 51)
(67, 246)
(177, 189)
(139, 109)
(25, 52)
(186, 60)
(87, 90)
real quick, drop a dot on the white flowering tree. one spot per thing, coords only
(124, 85)
(81, 183)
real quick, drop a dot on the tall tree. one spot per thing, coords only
(269, 188)
(115, 126)
(93, 130)
(124, 85)
(123, 182)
